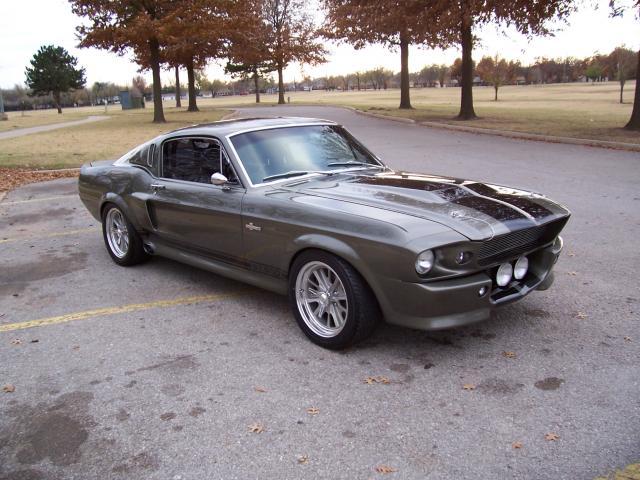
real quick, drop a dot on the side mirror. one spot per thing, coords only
(219, 179)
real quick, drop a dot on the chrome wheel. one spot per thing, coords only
(117, 233)
(321, 299)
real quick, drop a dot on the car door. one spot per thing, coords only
(186, 209)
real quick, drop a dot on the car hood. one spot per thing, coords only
(476, 210)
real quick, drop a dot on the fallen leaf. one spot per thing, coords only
(469, 386)
(303, 459)
(378, 379)
(76, 347)
(256, 428)
(35, 340)
(551, 437)
(260, 390)
(571, 254)
(581, 315)
(573, 274)
(8, 388)
(385, 469)
(313, 410)
(516, 444)
(509, 354)
(627, 339)
(16, 341)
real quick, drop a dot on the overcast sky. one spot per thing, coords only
(27, 24)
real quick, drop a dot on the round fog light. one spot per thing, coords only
(503, 277)
(482, 291)
(520, 270)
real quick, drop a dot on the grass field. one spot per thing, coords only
(577, 110)
(73, 146)
(588, 111)
(33, 118)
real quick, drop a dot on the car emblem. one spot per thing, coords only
(251, 226)
(456, 214)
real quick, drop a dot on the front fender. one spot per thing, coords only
(340, 249)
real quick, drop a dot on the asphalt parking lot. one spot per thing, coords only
(160, 371)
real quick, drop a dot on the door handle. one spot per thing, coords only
(157, 186)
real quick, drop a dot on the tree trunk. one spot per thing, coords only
(621, 90)
(154, 53)
(495, 98)
(178, 91)
(193, 106)
(56, 101)
(405, 99)
(280, 86)
(358, 79)
(466, 101)
(634, 122)
(256, 84)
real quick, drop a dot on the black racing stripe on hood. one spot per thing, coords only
(524, 203)
(411, 183)
(491, 208)
(456, 195)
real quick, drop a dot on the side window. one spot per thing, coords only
(194, 160)
(139, 156)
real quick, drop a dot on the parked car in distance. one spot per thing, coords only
(298, 206)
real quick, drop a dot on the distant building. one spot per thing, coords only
(130, 100)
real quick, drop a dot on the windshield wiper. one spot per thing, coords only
(354, 164)
(294, 173)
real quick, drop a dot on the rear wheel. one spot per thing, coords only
(332, 303)
(121, 239)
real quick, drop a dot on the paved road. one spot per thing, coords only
(168, 390)
(54, 126)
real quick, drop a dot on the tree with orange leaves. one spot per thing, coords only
(529, 17)
(395, 23)
(196, 31)
(617, 9)
(123, 25)
(292, 36)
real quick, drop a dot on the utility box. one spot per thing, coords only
(130, 101)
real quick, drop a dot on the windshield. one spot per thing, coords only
(292, 151)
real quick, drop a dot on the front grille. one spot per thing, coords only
(515, 243)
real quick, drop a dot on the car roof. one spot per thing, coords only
(236, 125)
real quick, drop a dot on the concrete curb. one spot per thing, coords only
(77, 169)
(632, 147)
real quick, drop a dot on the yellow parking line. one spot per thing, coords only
(101, 312)
(32, 200)
(49, 235)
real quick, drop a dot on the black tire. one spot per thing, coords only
(135, 253)
(363, 312)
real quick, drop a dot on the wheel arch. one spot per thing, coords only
(338, 248)
(115, 199)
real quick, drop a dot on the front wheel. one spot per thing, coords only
(121, 239)
(332, 303)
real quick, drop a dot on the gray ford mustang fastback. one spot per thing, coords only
(299, 207)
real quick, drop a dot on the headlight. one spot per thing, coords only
(520, 270)
(503, 277)
(424, 262)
